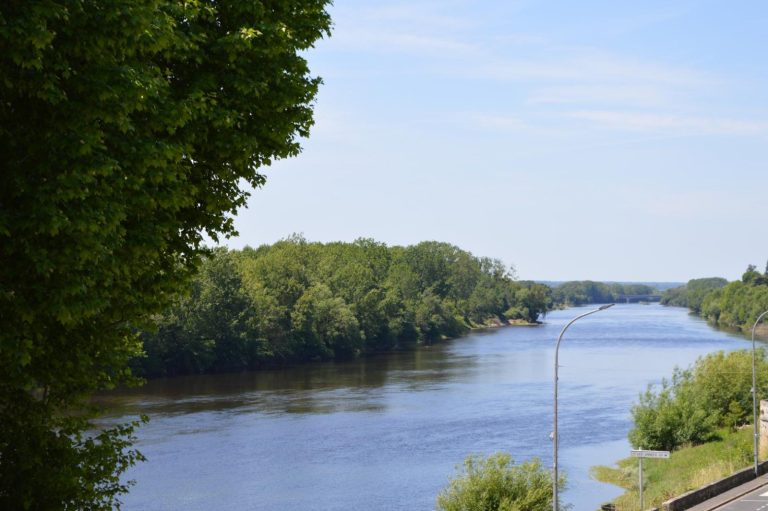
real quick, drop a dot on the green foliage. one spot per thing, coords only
(738, 304)
(734, 305)
(126, 130)
(297, 301)
(586, 291)
(752, 277)
(714, 393)
(496, 483)
(669, 419)
(693, 293)
(582, 292)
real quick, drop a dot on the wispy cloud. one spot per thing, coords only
(679, 124)
(402, 42)
(589, 66)
(412, 29)
(599, 94)
(497, 122)
(552, 80)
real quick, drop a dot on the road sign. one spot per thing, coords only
(640, 454)
(649, 454)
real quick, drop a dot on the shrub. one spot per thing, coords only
(496, 483)
(715, 392)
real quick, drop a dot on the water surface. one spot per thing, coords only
(386, 432)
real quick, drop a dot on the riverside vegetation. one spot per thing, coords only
(701, 415)
(297, 301)
(735, 305)
(496, 483)
(581, 292)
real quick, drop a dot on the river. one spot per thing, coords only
(386, 432)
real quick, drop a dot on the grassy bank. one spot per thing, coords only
(686, 469)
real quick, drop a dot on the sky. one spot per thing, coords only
(600, 140)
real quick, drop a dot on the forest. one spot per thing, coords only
(297, 301)
(692, 294)
(581, 292)
(735, 305)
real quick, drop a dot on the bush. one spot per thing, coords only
(495, 483)
(715, 392)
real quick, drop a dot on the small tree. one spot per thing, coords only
(496, 483)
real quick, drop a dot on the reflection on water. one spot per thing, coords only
(385, 433)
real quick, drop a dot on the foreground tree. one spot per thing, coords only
(495, 483)
(126, 130)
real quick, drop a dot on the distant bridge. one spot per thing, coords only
(637, 298)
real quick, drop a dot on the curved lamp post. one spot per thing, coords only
(554, 430)
(754, 388)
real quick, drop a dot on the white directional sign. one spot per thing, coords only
(650, 454)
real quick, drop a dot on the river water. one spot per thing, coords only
(385, 433)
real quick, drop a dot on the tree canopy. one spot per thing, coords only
(738, 304)
(297, 301)
(735, 305)
(127, 130)
(692, 294)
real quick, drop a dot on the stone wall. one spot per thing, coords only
(690, 499)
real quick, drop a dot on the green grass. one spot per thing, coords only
(686, 469)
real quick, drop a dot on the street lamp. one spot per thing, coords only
(554, 430)
(754, 387)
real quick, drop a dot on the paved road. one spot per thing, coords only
(751, 496)
(754, 501)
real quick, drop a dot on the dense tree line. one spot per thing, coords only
(738, 304)
(734, 305)
(583, 292)
(688, 409)
(297, 301)
(692, 294)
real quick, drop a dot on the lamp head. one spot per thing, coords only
(606, 306)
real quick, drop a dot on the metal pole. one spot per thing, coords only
(754, 390)
(640, 461)
(554, 429)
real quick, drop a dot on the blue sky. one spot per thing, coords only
(603, 140)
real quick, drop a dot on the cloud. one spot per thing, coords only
(412, 28)
(402, 42)
(582, 68)
(669, 123)
(497, 122)
(543, 79)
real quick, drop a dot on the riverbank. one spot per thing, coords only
(470, 328)
(498, 323)
(686, 469)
